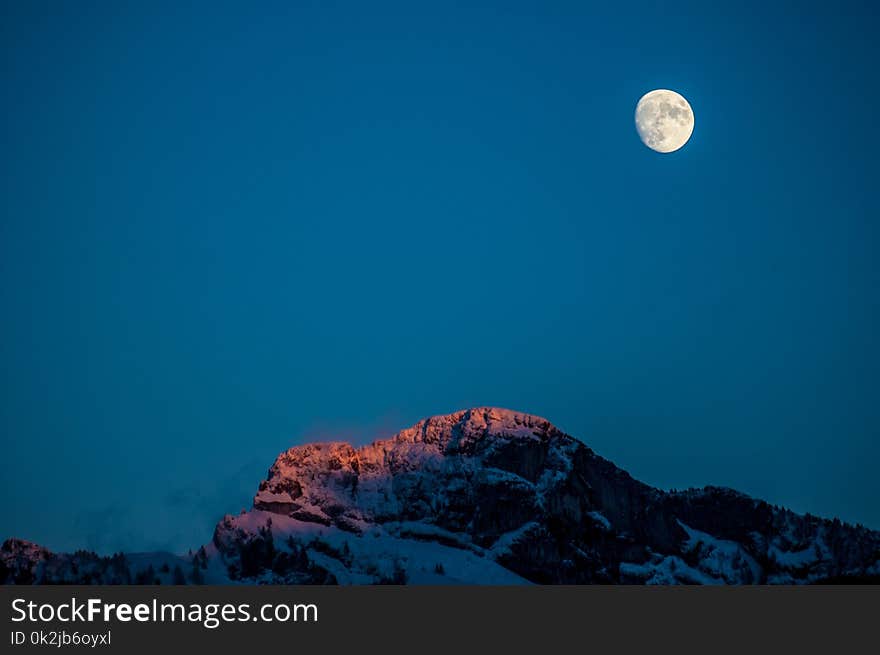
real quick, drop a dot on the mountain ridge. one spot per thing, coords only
(485, 496)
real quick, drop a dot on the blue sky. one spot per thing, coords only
(228, 229)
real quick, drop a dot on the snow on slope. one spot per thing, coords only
(374, 554)
(720, 558)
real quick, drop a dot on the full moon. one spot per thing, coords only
(664, 120)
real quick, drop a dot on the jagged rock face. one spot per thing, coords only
(517, 491)
(483, 496)
(482, 472)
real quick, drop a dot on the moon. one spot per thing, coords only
(664, 120)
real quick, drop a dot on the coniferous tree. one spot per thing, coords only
(196, 576)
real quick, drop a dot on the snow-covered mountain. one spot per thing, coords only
(482, 496)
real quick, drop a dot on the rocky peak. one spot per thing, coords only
(462, 428)
(519, 491)
(335, 483)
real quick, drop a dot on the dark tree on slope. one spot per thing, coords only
(196, 576)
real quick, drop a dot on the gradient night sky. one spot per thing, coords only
(226, 231)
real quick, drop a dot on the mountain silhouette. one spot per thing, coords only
(480, 496)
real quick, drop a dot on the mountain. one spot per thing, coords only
(482, 496)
